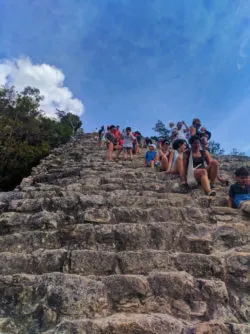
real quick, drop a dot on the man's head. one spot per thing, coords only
(204, 139)
(196, 123)
(166, 143)
(195, 142)
(112, 128)
(179, 125)
(128, 129)
(180, 144)
(241, 175)
(152, 147)
(117, 127)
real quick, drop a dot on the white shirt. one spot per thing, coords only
(181, 134)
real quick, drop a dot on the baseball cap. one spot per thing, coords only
(152, 145)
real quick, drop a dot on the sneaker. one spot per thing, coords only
(212, 186)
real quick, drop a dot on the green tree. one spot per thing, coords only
(72, 120)
(161, 129)
(26, 135)
(215, 148)
(236, 152)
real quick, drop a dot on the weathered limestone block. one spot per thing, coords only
(87, 262)
(125, 324)
(101, 215)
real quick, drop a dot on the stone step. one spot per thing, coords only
(93, 209)
(129, 198)
(176, 293)
(123, 323)
(107, 237)
(226, 267)
(85, 262)
(89, 262)
(153, 323)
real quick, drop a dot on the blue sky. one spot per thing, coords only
(132, 62)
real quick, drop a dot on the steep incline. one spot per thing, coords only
(89, 246)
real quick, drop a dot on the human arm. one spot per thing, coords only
(156, 159)
(208, 157)
(107, 137)
(192, 130)
(231, 197)
(230, 202)
(185, 163)
(146, 159)
(186, 126)
(171, 156)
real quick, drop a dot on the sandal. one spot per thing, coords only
(212, 193)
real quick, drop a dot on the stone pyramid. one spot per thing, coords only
(88, 246)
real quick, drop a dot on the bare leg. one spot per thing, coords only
(125, 154)
(152, 164)
(110, 151)
(164, 163)
(179, 167)
(131, 154)
(202, 176)
(119, 150)
(213, 170)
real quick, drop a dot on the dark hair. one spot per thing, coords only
(196, 120)
(166, 142)
(203, 134)
(242, 171)
(111, 127)
(128, 128)
(193, 139)
(177, 143)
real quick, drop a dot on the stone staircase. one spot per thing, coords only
(89, 246)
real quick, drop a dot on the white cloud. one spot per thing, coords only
(48, 79)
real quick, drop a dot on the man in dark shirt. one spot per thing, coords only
(239, 192)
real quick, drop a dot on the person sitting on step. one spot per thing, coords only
(205, 168)
(175, 163)
(129, 139)
(112, 143)
(164, 154)
(239, 192)
(152, 157)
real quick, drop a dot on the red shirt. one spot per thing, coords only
(117, 134)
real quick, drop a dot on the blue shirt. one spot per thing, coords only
(150, 155)
(239, 194)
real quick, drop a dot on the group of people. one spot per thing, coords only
(185, 153)
(117, 140)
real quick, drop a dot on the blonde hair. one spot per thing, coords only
(171, 124)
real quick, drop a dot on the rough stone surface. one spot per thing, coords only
(93, 247)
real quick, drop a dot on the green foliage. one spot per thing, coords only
(69, 119)
(26, 135)
(236, 152)
(215, 148)
(161, 129)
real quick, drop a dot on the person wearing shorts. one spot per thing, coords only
(152, 157)
(129, 139)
